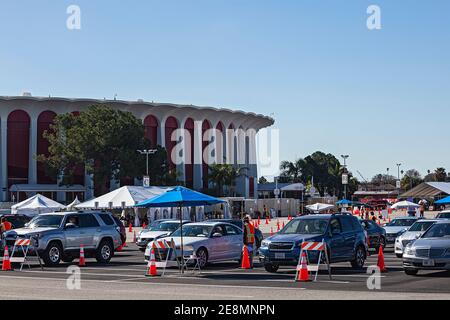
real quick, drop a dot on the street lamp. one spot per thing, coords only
(398, 175)
(147, 152)
(344, 175)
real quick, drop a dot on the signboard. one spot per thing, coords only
(312, 191)
(345, 178)
(398, 184)
(146, 181)
(276, 192)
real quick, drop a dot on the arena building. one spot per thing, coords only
(23, 120)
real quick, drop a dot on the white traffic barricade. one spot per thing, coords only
(316, 246)
(170, 247)
(23, 245)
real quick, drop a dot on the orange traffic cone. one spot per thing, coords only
(380, 262)
(130, 228)
(259, 220)
(267, 220)
(245, 258)
(6, 265)
(151, 267)
(144, 225)
(82, 261)
(271, 231)
(302, 269)
(278, 227)
(282, 225)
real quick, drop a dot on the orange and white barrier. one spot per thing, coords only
(314, 246)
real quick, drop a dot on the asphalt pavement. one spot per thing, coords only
(124, 278)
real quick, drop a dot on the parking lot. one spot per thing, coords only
(124, 278)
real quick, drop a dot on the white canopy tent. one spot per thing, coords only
(73, 204)
(124, 197)
(35, 205)
(404, 204)
(318, 207)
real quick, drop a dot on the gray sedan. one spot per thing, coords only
(431, 251)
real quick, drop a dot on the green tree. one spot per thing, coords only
(381, 179)
(105, 141)
(292, 171)
(411, 179)
(440, 174)
(224, 177)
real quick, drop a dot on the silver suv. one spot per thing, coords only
(58, 236)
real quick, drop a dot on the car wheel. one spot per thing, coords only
(399, 255)
(202, 256)
(53, 254)
(104, 252)
(360, 258)
(272, 268)
(411, 272)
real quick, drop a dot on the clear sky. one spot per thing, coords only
(381, 96)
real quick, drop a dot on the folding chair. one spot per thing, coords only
(191, 258)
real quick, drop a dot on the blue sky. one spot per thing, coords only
(380, 96)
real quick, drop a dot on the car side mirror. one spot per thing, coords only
(417, 236)
(217, 235)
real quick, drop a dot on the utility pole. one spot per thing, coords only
(344, 175)
(398, 175)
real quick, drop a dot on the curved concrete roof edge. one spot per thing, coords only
(270, 120)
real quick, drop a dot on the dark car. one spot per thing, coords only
(376, 235)
(238, 223)
(443, 215)
(122, 230)
(16, 220)
(343, 234)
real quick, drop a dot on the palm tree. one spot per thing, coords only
(292, 171)
(225, 175)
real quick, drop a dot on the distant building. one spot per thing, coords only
(23, 119)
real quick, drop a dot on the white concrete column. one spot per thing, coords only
(4, 158)
(198, 154)
(162, 134)
(32, 167)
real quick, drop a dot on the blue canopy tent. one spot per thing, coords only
(344, 201)
(443, 201)
(180, 197)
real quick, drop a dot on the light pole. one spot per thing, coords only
(398, 175)
(147, 152)
(345, 181)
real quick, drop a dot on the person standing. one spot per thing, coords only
(249, 237)
(5, 225)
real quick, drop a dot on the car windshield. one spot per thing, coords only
(194, 231)
(166, 226)
(401, 223)
(51, 221)
(154, 226)
(445, 215)
(438, 231)
(421, 226)
(305, 226)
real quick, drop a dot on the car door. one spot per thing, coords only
(90, 230)
(234, 242)
(72, 235)
(217, 245)
(336, 240)
(349, 237)
(374, 234)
